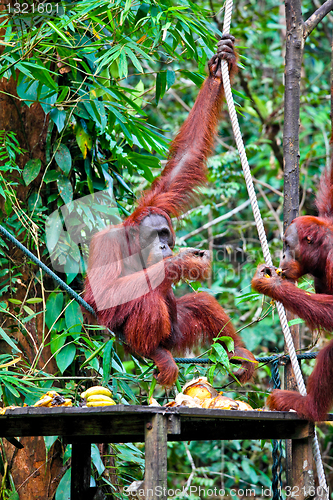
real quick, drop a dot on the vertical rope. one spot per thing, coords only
(263, 239)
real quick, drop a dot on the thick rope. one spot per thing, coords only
(279, 358)
(262, 237)
(48, 271)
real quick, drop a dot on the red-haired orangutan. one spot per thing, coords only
(308, 245)
(132, 268)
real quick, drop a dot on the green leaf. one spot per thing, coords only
(64, 488)
(51, 176)
(296, 321)
(96, 459)
(7, 339)
(222, 356)
(15, 301)
(227, 340)
(195, 77)
(107, 361)
(122, 182)
(14, 496)
(65, 189)
(49, 441)
(63, 94)
(31, 170)
(63, 159)
(170, 78)
(38, 72)
(10, 387)
(60, 33)
(127, 390)
(46, 98)
(83, 139)
(66, 356)
(34, 301)
(161, 83)
(211, 374)
(122, 65)
(134, 59)
(96, 110)
(27, 90)
(92, 356)
(152, 388)
(73, 317)
(28, 310)
(57, 341)
(58, 116)
(54, 306)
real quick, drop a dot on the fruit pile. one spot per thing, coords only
(199, 393)
(97, 396)
(52, 399)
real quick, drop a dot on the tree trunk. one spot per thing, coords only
(32, 475)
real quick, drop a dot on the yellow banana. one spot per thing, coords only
(68, 402)
(100, 403)
(97, 389)
(44, 401)
(52, 394)
(98, 397)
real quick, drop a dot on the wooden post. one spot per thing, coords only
(302, 470)
(299, 460)
(155, 483)
(81, 470)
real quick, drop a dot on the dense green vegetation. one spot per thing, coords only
(93, 91)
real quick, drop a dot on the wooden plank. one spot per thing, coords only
(302, 473)
(124, 423)
(204, 429)
(155, 483)
(148, 410)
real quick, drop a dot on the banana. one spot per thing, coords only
(68, 402)
(53, 399)
(44, 401)
(52, 394)
(97, 389)
(100, 403)
(98, 397)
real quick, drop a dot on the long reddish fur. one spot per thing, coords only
(140, 304)
(315, 308)
(173, 190)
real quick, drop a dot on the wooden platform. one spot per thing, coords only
(126, 423)
(153, 425)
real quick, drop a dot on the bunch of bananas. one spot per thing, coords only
(98, 396)
(51, 399)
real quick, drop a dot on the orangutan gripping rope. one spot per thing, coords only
(308, 250)
(132, 267)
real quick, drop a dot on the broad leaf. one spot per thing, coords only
(65, 189)
(73, 317)
(63, 158)
(65, 357)
(31, 170)
(54, 307)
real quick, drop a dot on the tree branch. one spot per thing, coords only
(316, 17)
(277, 150)
(232, 212)
(293, 67)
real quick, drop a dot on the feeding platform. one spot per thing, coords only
(152, 425)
